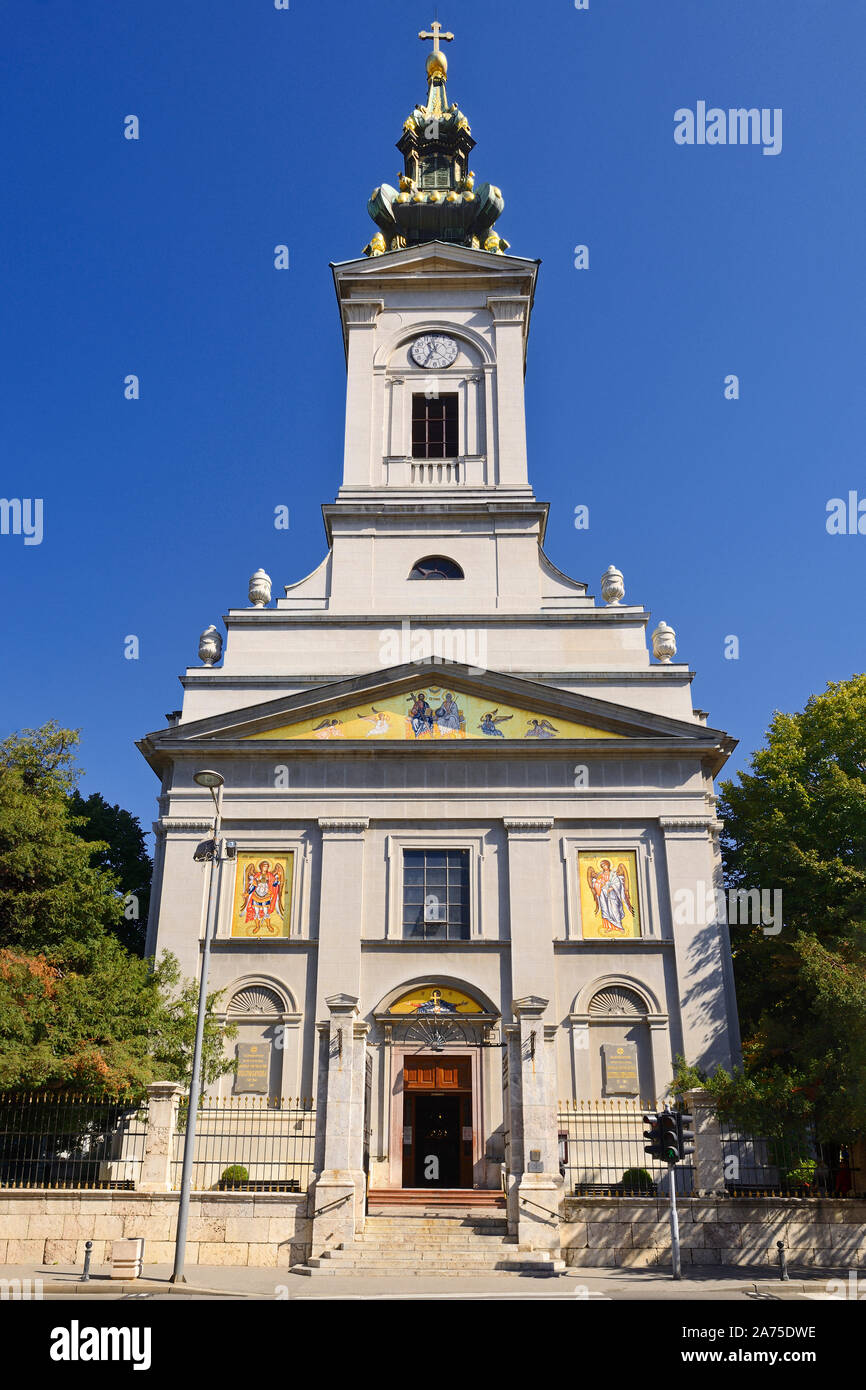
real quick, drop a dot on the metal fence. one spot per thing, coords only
(601, 1151)
(50, 1140)
(790, 1166)
(249, 1144)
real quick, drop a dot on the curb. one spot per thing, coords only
(109, 1287)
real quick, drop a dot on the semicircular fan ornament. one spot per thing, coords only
(256, 999)
(616, 999)
(435, 1033)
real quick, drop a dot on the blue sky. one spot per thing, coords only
(261, 127)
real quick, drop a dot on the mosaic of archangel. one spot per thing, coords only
(609, 895)
(434, 712)
(263, 894)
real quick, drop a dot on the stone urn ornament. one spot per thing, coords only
(612, 585)
(664, 643)
(210, 645)
(260, 589)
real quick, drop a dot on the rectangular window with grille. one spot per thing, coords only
(436, 894)
(434, 427)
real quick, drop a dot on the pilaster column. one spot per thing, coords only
(359, 318)
(339, 1188)
(509, 326)
(709, 1157)
(532, 1074)
(396, 433)
(341, 907)
(660, 1048)
(530, 905)
(700, 943)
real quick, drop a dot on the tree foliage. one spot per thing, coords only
(125, 856)
(108, 1028)
(797, 822)
(78, 1010)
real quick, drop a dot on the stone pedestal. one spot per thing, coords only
(339, 1191)
(163, 1098)
(127, 1258)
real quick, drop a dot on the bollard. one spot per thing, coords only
(783, 1260)
(88, 1251)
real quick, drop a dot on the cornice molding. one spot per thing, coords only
(508, 308)
(691, 824)
(362, 312)
(182, 823)
(519, 825)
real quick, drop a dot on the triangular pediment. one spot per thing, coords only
(443, 703)
(431, 711)
(435, 256)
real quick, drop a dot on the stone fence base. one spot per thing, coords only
(610, 1231)
(225, 1228)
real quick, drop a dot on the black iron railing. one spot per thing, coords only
(245, 1144)
(792, 1165)
(601, 1151)
(51, 1140)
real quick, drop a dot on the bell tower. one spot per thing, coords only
(435, 320)
(435, 324)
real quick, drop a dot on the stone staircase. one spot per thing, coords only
(432, 1242)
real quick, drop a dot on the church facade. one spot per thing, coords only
(465, 801)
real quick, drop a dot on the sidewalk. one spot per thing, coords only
(242, 1282)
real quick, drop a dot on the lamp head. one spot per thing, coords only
(207, 778)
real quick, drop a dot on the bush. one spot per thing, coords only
(802, 1173)
(637, 1180)
(236, 1172)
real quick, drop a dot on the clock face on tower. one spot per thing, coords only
(434, 351)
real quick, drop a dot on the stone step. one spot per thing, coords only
(461, 1260)
(439, 1237)
(413, 1247)
(326, 1270)
(439, 1197)
(416, 1224)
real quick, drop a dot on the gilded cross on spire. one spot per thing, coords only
(436, 35)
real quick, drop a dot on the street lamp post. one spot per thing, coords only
(214, 782)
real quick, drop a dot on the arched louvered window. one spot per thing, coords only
(256, 999)
(436, 567)
(617, 1001)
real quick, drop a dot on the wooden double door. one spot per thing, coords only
(437, 1122)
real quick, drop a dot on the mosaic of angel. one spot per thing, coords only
(490, 721)
(612, 894)
(262, 895)
(540, 728)
(379, 719)
(329, 728)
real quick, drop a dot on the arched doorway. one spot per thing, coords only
(438, 1040)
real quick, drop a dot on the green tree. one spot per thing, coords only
(107, 1029)
(52, 894)
(77, 1010)
(125, 856)
(796, 822)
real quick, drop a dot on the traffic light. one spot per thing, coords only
(685, 1134)
(670, 1137)
(652, 1131)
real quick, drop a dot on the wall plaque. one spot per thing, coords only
(620, 1069)
(253, 1075)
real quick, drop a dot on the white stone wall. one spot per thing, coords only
(263, 1228)
(722, 1231)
